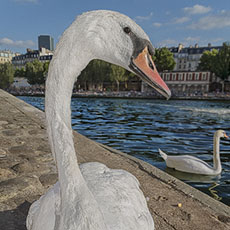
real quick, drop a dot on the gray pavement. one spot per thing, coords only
(27, 170)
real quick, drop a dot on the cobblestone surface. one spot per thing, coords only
(27, 170)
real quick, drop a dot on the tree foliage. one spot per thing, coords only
(117, 74)
(35, 72)
(217, 62)
(207, 60)
(6, 75)
(20, 72)
(222, 68)
(163, 59)
(94, 75)
(97, 72)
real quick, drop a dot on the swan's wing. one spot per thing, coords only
(41, 214)
(190, 164)
(118, 194)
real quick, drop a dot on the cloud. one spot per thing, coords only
(210, 22)
(181, 20)
(192, 39)
(144, 18)
(157, 24)
(16, 44)
(168, 42)
(174, 21)
(216, 40)
(197, 9)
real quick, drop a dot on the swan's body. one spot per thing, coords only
(190, 164)
(93, 197)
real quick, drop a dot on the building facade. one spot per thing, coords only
(42, 55)
(185, 83)
(6, 56)
(188, 58)
(46, 41)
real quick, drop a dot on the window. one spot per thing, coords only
(197, 76)
(190, 76)
(167, 77)
(174, 77)
(180, 77)
(204, 78)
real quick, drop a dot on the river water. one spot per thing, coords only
(139, 127)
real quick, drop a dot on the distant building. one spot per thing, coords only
(187, 83)
(6, 56)
(46, 41)
(188, 58)
(42, 55)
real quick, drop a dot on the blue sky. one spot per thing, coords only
(167, 22)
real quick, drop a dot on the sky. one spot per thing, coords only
(167, 22)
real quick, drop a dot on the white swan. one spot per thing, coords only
(190, 164)
(92, 197)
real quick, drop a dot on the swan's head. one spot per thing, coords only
(117, 39)
(221, 133)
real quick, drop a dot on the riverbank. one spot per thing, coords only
(27, 170)
(130, 95)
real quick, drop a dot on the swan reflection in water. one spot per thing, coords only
(198, 179)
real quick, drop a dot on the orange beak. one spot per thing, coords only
(144, 67)
(225, 135)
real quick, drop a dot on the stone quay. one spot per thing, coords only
(27, 170)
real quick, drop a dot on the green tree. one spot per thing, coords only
(93, 76)
(6, 75)
(35, 72)
(97, 72)
(20, 72)
(163, 59)
(222, 62)
(46, 68)
(117, 74)
(217, 62)
(208, 61)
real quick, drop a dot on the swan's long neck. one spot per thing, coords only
(77, 202)
(216, 153)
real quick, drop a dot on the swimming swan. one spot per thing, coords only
(190, 164)
(92, 197)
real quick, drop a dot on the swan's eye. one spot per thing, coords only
(127, 30)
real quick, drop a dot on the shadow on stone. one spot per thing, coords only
(14, 219)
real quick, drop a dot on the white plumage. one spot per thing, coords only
(191, 164)
(92, 197)
(117, 192)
